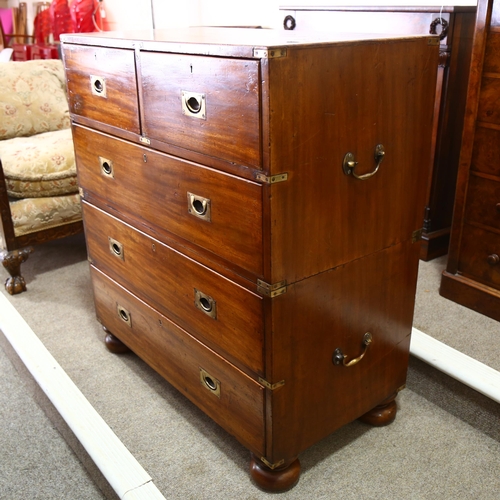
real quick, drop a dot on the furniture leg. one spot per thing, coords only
(114, 344)
(12, 262)
(276, 479)
(382, 414)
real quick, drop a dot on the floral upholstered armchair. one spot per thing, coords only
(39, 198)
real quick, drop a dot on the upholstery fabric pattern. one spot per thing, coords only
(41, 165)
(32, 98)
(34, 214)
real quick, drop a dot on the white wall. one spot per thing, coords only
(137, 14)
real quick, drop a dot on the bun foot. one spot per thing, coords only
(114, 344)
(382, 414)
(276, 480)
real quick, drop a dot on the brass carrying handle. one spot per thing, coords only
(340, 358)
(349, 163)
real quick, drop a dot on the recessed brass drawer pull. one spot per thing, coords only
(98, 85)
(106, 167)
(199, 207)
(193, 105)
(349, 163)
(340, 358)
(124, 315)
(205, 303)
(209, 382)
(116, 248)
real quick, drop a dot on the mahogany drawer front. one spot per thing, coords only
(102, 85)
(205, 104)
(226, 316)
(483, 202)
(486, 151)
(489, 102)
(492, 54)
(480, 255)
(237, 401)
(161, 190)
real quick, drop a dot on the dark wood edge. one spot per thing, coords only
(434, 244)
(6, 215)
(360, 8)
(468, 134)
(471, 294)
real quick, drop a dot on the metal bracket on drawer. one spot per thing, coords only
(144, 140)
(271, 290)
(272, 387)
(273, 179)
(416, 235)
(269, 53)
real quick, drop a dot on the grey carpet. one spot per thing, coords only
(445, 442)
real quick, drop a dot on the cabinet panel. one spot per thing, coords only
(480, 255)
(206, 104)
(489, 102)
(210, 307)
(179, 357)
(483, 202)
(155, 188)
(486, 151)
(102, 85)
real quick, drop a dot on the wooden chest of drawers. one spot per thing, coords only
(472, 275)
(238, 241)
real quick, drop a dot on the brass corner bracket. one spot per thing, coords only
(269, 386)
(271, 290)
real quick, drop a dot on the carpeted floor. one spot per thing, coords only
(445, 442)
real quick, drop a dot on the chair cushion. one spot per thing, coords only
(40, 165)
(34, 214)
(33, 97)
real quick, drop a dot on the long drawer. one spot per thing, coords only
(216, 211)
(219, 312)
(223, 392)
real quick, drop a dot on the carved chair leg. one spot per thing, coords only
(12, 262)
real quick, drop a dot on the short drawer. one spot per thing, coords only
(227, 395)
(216, 211)
(209, 105)
(212, 308)
(102, 85)
(480, 255)
(483, 202)
(486, 151)
(489, 102)
(492, 54)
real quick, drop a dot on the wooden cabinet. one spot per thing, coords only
(455, 26)
(252, 206)
(472, 275)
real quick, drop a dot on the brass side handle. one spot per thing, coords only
(349, 163)
(340, 358)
